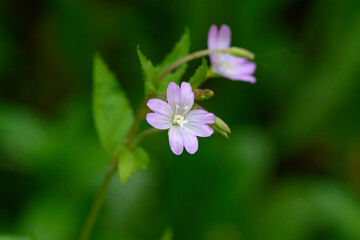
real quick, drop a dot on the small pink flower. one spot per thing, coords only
(184, 124)
(227, 65)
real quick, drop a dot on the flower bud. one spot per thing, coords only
(203, 94)
(219, 123)
(241, 52)
(219, 132)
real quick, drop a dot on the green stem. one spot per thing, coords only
(202, 53)
(140, 114)
(97, 204)
(144, 134)
(99, 199)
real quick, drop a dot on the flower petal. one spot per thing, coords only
(187, 96)
(176, 140)
(234, 68)
(173, 95)
(190, 141)
(224, 37)
(199, 129)
(213, 37)
(159, 121)
(160, 106)
(200, 116)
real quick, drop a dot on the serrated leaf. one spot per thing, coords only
(130, 160)
(112, 113)
(199, 76)
(151, 74)
(181, 49)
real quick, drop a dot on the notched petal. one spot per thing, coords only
(212, 37)
(176, 140)
(158, 121)
(187, 96)
(173, 95)
(190, 142)
(160, 106)
(199, 129)
(200, 116)
(224, 37)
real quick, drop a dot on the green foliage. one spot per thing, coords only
(313, 204)
(168, 234)
(181, 49)
(112, 112)
(199, 76)
(151, 74)
(289, 172)
(130, 160)
(8, 237)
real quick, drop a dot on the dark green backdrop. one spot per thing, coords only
(290, 170)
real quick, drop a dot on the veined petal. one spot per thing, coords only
(213, 37)
(199, 129)
(173, 95)
(200, 116)
(190, 141)
(235, 68)
(176, 140)
(224, 37)
(160, 106)
(159, 121)
(246, 78)
(187, 96)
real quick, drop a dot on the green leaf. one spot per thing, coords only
(198, 78)
(130, 160)
(112, 112)
(180, 50)
(151, 75)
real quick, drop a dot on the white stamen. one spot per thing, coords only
(186, 108)
(177, 106)
(180, 120)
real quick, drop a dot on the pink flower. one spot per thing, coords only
(184, 124)
(227, 65)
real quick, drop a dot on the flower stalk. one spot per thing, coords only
(240, 52)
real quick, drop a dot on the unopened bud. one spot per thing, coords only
(219, 123)
(219, 131)
(203, 94)
(241, 52)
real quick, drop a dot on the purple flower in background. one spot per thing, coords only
(227, 65)
(183, 123)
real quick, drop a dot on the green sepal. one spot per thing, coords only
(219, 123)
(220, 132)
(241, 52)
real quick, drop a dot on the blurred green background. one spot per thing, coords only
(290, 170)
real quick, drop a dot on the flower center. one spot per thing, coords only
(223, 63)
(179, 120)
